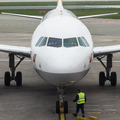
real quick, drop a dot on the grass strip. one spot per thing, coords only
(78, 12)
(64, 3)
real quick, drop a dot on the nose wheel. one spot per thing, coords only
(61, 105)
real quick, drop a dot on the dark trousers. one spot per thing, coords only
(80, 106)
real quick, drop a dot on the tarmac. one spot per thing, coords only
(35, 100)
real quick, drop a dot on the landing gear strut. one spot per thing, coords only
(18, 77)
(113, 77)
(61, 105)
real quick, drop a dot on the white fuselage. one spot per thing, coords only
(63, 65)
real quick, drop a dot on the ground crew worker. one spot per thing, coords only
(80, 99)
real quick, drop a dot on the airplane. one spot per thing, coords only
(61, 50)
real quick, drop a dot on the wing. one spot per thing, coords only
(17, 50)
(21, 15)
(98, 51)
(99, 15)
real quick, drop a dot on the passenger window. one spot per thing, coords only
(81, 42)
(43, 43)
(70, 42)
(85, 41)
(54, 42)
(38, 42)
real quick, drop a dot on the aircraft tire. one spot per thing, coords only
(7, 79)
(101, 78)
(19, 79)
(57, 107)
(65, 107)
(113, 78)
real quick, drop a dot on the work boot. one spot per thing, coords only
(75, 115)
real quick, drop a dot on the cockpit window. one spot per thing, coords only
(54, 42)
(38, 42)
(70, 42)
(81, 42)
(43, 43)
(85, 41)
(57, 42)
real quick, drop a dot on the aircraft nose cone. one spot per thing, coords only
(62, 63)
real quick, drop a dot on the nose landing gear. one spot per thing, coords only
(61, 105)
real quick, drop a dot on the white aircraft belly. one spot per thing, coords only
(62, 79)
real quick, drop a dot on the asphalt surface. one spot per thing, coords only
(35, 100)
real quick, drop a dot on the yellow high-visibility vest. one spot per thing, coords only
(81, 99)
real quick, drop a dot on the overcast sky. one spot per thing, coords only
(49, 0)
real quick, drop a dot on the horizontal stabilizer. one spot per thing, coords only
(99, 15)
(21, 15)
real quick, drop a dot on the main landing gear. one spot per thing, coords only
(113, 77)
(61, 105)
(18, 78)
